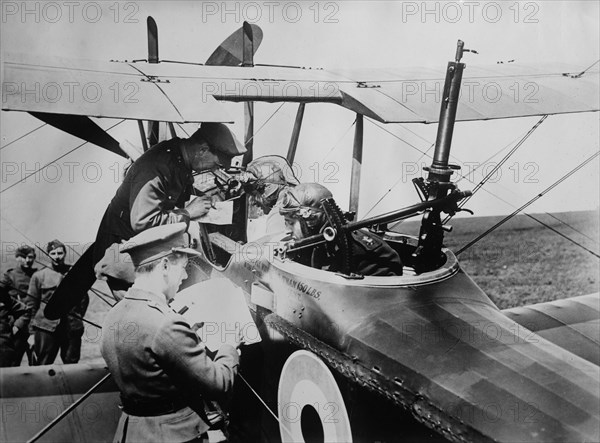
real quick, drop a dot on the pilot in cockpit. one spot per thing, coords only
(304, 216)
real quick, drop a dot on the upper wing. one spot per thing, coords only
(176, 92)
(499, 91)
(101, 89)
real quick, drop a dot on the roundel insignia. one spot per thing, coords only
(309, 402)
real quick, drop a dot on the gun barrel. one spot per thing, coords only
(387, 217)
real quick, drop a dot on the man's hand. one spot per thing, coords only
(199, 206)
(240, 341)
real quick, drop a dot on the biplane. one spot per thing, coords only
(425, 355)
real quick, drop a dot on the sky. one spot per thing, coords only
(67, 199)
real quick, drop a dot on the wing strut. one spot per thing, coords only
(143, 135)
(153, 126)
(248, 61)
(357, 154)
(291, 154)
(152, 40)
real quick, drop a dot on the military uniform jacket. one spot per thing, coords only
(41, 287)
(156, 359)
(13, 295)
(153, 193)
(16, 281)
(370, 256)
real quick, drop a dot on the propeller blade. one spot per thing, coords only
(231, 51)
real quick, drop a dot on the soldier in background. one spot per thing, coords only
(62, 334)
(158, 362)
(14, 329)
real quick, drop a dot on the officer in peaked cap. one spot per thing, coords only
(157, 360)
(155, 191)
(156, 243)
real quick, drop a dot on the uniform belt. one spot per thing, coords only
(151, 408)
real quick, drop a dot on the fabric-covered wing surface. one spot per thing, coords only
(186, 93)
(572, 323)
(500, 91)
(99, 89)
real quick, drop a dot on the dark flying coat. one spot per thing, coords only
(153, 193)
(370, 256)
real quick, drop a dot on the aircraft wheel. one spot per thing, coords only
(309, 402)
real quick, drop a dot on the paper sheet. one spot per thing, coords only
(221, 306)
(221, 214)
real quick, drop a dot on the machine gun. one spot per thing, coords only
(338, 230)
(438, 194)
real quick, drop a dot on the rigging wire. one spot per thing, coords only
(70, 314)
(461, 177)
(532, 217)
(23, 136)
(582, 72)
(339, 140)
(53, 161)
(266, 121)
(98, 293)
(94, 290)
(255, 132)
(538, 196)
(183, 129)
(423, 154)
(566, 224)
(265, 405)
(504, 159)
(397, 182)
(396, 136)
(564, 235)
(499, 164)
(69, 409)
(489, 192)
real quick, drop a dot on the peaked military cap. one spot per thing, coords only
(220, 138)
(158, 242)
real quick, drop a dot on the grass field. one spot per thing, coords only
(524, 262)
(520, 263)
